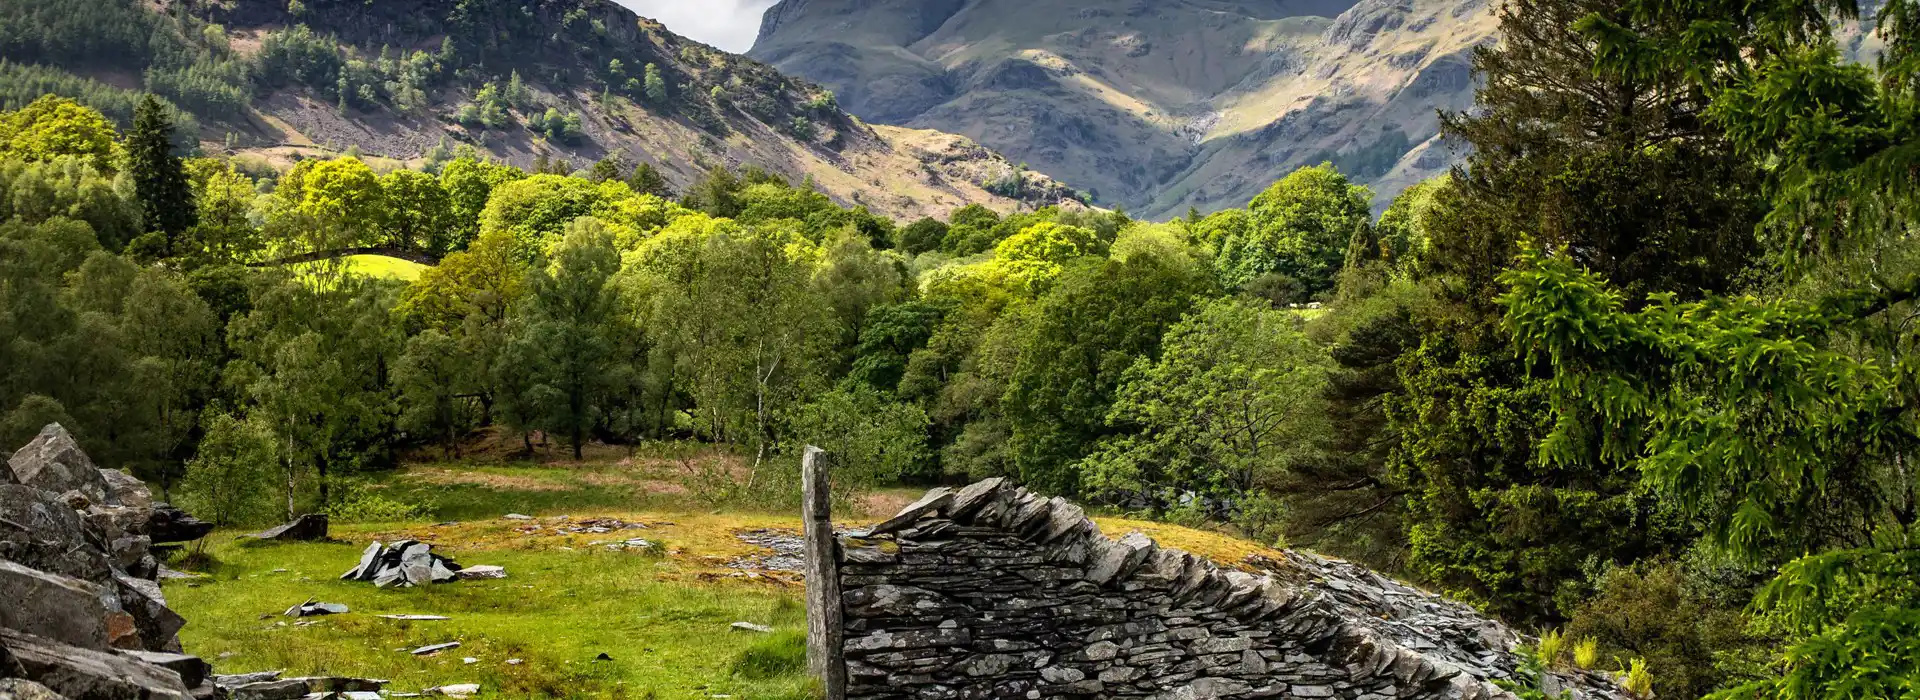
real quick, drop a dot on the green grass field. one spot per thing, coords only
(379, 266)
(662, 616)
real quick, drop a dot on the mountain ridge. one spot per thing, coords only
(1156, 107)
(398, 81)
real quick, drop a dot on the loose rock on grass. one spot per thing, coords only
(311, 527)
(408, 563)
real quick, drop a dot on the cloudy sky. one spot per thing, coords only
(727, 24)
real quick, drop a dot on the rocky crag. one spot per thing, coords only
(82, 615)
(996, 592)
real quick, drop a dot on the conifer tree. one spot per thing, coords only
(160, 180)
(647, 179)
(1622, 173)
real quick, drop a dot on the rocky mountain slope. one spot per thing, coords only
(1155, 105)
(403, 80)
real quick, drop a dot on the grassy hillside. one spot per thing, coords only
(1158, 106)
(564, 83)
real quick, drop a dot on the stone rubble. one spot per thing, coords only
(789, 551)
(84, 616)
(996, 592)
(408, 563)
(565, 525)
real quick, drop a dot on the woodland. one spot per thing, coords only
(1641, 374)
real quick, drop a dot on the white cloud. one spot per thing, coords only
(727, 24)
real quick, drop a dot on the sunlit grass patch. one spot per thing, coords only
(665, 627)
(378, 266)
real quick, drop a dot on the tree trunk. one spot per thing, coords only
(286, 462)
(320, 468)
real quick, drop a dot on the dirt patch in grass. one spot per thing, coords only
(883, 504)
(504, 482)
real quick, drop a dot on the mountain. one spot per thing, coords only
(528, 81)
(1154, 105)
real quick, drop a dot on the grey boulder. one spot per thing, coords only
(53, 462)
(41, 533)
(157, 625)
(60, 608)
(125, 490)
(23, 689)
(170, 524)
(90, 674)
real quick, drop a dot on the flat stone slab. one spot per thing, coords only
(934, 500)
(480, 571)
(434, 648)
(456, 690)
(311, 527)
(74, 672)
(61, 608)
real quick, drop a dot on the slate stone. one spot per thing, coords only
(125, 490)
(369, 559)
(440, 573)
(90, 674)
(61, 608)
(157, 624)
(193, 671)
(169, 524)
(53, 462)
(297, 688)
(479, 572)
(40, 533)
(933, 501)
(456, 690)
(1003, 594)
(416, 564)
(311, 527)
(317, 609)
(974, 497)
(23, 689)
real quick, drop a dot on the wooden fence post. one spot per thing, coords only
(826, 653)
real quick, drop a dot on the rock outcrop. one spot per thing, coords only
(996, 592)
(83, 616)
(54, 463)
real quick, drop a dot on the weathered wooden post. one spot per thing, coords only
(826, 654)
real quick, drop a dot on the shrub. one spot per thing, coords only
(360, 502)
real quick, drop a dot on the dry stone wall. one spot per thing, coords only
(995, 592)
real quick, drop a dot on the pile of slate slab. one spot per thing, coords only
(402, 564)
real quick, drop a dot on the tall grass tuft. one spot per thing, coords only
(783, 653)
(1551, 644)
(1586, 653)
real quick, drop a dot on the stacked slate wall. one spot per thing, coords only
(994, 592)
